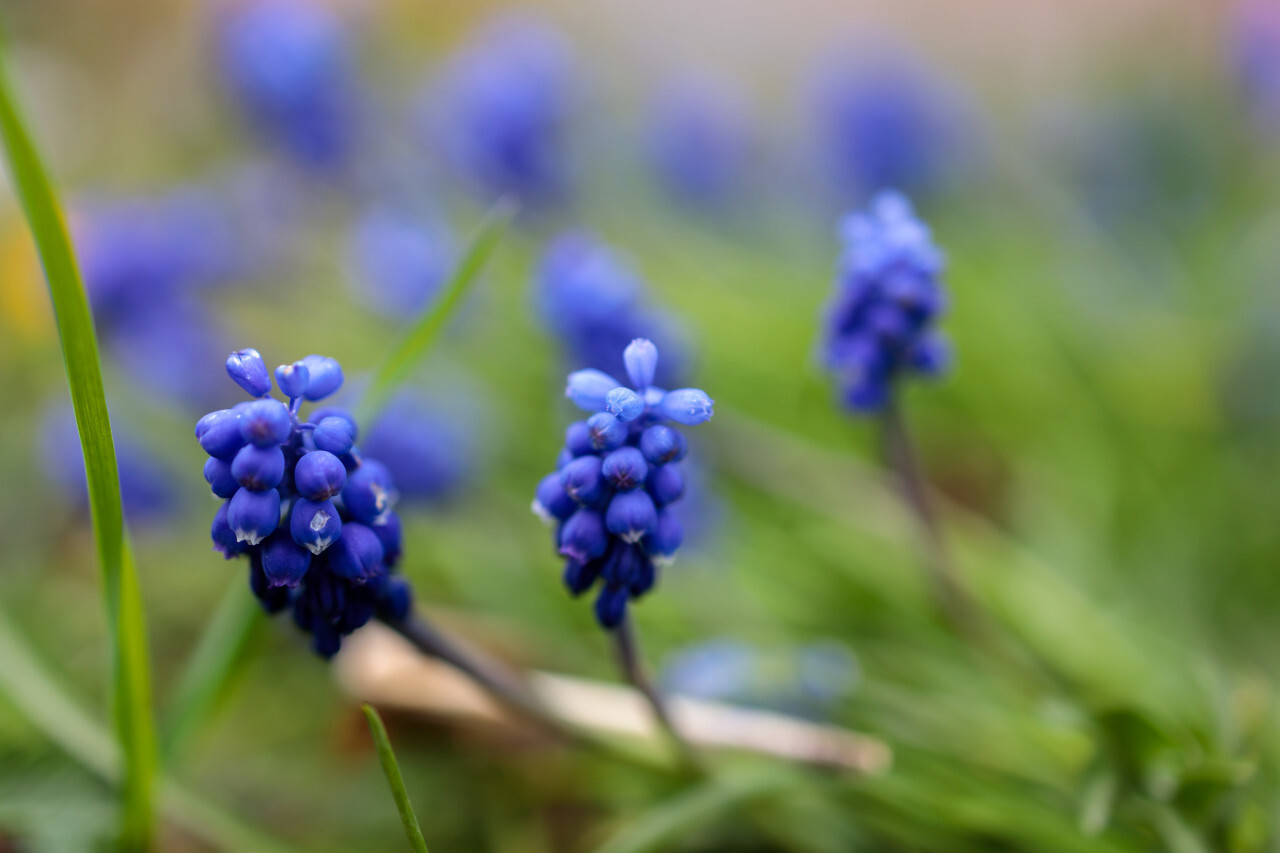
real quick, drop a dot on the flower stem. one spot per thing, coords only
(629, 658)
(952, 597)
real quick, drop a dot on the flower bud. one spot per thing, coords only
(626, 404)
(552, 502)
(582, 480)
(577, 439)
(665, 484)
(319, 475)
(661, 444)
(217, 473)
(284, 562)
(631, 515)
(583, 536)
(395, 599)
(272, 598)
(324, 412)
(666, 538)
(587, 389)
(641, 359)
(219, 433)
(579, 577)
(369, 492)
(314, 525)
(265, 422)
(389, 534)
(611, 606)
(686, 406)
(249, 371)
(258, 468)
(254, 515)
(606, 431)
(292, 379)
(625, 469)
(224, 538)
(357, 554)
(334, 434)
(324, 376)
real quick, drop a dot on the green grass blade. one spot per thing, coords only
(391, 769)
(203, 681)
(44, 702)
(408, 351)
(131, 682)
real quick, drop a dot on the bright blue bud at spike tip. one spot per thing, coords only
(888, 298)
(314, 516)
(619, 474)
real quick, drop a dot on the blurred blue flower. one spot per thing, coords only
(888, 297)
(146, 482)
(699, 142)
(1255, 57)
(319, 528)
(592, 301)
(884, 121)
(611, 498)
(434, 450)
(287, 64)
(398, 261)
(806, 680)
(501, 107)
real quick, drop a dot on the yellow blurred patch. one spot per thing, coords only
(24, 301)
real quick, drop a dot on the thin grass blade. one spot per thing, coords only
(391, 769)
(131, 676)
(415, 343)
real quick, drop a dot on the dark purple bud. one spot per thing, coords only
(583, 481)
(577, 439)
(395, 600)
(314, 525)
(625, 469)
(605, 431)
(272, 598)
(622, 564)
(283, 561)
(319, 475)
(336, 435)
(661, 444)
(224, 538)
(217, 473)
(324, 376)
(357, 554)
(552, 502)
(666, 539)
(583, 536)
(249, 371)
(389, 534)
(631, 515)
(258, 468)
(645, 576)
(665, 484)
(325, 640)
(369, 493)
(254, 515)
(324, 412)
(579, 577)
(219, 433)
(611, 606)
(292, 379)
(265, 422)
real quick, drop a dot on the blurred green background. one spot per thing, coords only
(1108, 198)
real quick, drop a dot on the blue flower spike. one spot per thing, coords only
(881, 323)
(611, 497)
(313, 517)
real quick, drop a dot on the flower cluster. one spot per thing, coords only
(314, 517)
(593, 301)
(616, 479)
(700, 141)
(888, 297)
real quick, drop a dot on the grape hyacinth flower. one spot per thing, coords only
(880, 325)
(288, 66)
(1254, 51)
(501, 108)
(617, 478)
(315, 517)
(398, 261)
(592, 300)
(699, 142)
